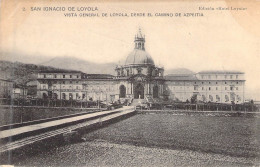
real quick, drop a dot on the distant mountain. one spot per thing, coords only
(23, 58)
(179, 71)
(64, 62)
(72, 63)
(23, 68)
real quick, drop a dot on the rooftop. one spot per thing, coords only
(61, 71)
(220, 72)
(98, 76)
(181, 78)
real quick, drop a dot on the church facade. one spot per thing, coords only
(139, 78)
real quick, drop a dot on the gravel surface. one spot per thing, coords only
(103, 153)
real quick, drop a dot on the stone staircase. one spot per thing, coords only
(136, 102)
(149, 99)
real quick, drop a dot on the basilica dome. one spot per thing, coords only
(138, 56)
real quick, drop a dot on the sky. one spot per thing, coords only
(219, 40)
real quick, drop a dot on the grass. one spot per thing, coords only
(235, 136)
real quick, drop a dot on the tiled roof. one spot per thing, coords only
(220, 72)
(98, 76)
(181, 77)
(61, 71)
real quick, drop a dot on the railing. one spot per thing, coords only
(63, 90)
(205, 107)
(50, 103)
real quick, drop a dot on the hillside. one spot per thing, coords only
(20, 72)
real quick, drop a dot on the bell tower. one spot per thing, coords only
(139, 40)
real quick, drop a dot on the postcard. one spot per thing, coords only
(129, 83)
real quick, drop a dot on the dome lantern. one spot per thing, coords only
(139, 40)
(139, 56)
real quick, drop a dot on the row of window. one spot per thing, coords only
(84, 88)
(139, 71)
(63, 76)
(70, 87)
(226, 88)
(62, 82)
(196, 83)
(5, 84)
(216, 76)
(71, 96)
(209, 88)
(226, 98)
(75, 82)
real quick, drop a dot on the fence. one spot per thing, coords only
(160, 105)
(206, 107)
(18, 114)
(50, 103)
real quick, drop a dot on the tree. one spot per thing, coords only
(193, 99)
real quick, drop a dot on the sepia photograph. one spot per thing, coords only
(129, 83)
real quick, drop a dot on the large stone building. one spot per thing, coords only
(213, 86)
(6, 87)
(139, 77)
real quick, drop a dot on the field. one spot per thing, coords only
(236, 136)
(161, 140)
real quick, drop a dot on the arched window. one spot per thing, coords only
(71, 96)
(139, 70)
(232, 97)
(63, 96)
(238, 98)
(204, 98)
(217, 98)
(44, 96)
(210, 98)
(156, 72)
(227, 98)
(122, 91)
(55, 96)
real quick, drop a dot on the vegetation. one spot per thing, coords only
(22, 73)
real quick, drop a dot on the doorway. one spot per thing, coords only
(122, 93)
(155, 91)
(139, 91)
